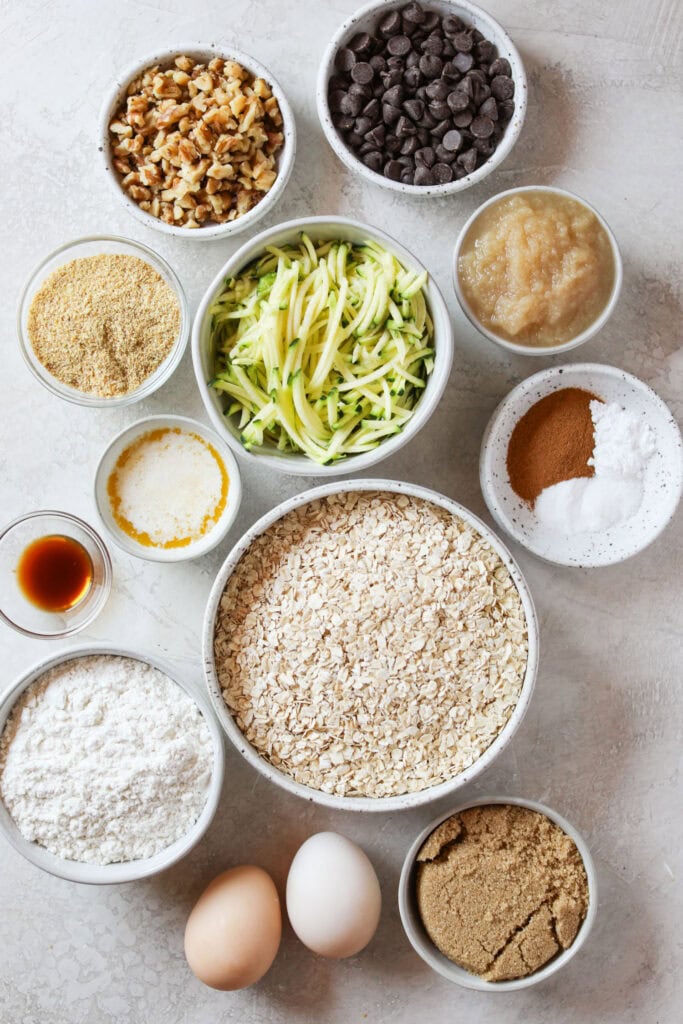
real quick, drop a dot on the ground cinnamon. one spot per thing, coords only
(552, 442)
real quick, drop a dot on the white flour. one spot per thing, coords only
(623, 445)
(105, 759)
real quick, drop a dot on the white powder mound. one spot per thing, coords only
(105, 759)
(623, 445)
(169, 486)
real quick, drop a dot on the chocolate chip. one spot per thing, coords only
(413, 13)
(394, 96)
(390, 25)
(423, 176)
(362, 73)
(423, 136)
(457, 100)
(440, 129)
(468, 160)
(462, 119)
(485, 146)
(489, 108)
(506, 109)
(500, 66)
(439, 109)
(404, 128)
(430, 66)
(392, 77)
(345, 59)
(463, 42)
(363, 125)
(392, 170)
(390, 114)
(407, 176)
(485, 51)
(414, 109)
(351, 105)
(438, 90)
(410, 146)
(392, 145)
(433, 45)
(378, 63)
(502, 88)
(396, 64)
(443, 155)
(442, 173)
(412, 60)
(452, 140)
(431, 22)
(451, 72)
(372, 110)
(398, 46)
(481, 94)
(377, 136)
(361, 91)
(425, 156)
(336, 83)
(361, 43)
(452, 25)
(373, 160)
(413, 77)
(337, 100)
(482, 127)
(344, 122)
(466, 86)
(463, 62)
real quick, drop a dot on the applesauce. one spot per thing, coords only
(537, 268)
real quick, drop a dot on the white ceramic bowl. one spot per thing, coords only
(295, 463)
(108, 461)
(130, 871)
(662, 483)
(82, 248)
(547, 350)
(364, 20)
(393, 803)
(203, 53)
(426, 949)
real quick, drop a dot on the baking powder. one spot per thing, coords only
(105, 759)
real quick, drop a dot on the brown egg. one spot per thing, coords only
(233, 932)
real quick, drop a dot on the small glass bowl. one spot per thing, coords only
(16, 609)
(96, 245)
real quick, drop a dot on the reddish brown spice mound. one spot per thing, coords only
(552, 442)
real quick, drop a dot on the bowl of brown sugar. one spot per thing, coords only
(498, 894)
(103, 321)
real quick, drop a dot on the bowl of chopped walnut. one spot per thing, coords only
(198, 143)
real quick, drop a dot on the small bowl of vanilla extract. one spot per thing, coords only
(57, 574)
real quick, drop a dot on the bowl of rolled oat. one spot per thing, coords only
(370, 645)
(197, 142)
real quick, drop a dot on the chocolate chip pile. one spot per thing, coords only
(423, 100)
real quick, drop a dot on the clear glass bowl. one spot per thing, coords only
(95, 245)
(16, 609)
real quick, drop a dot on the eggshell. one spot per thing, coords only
(233, 932)
(333, 896)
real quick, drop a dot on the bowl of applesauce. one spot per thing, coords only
(537, 270)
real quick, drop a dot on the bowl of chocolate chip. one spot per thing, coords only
(422, 98)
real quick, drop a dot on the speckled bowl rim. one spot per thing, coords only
(129, 871)
(161, 375)
(495, 32)
(426, 949)
(541, 379)
(368, 804)
(298, 463)
(547, 350)
(222, 527)
(200, 51)
(106, 567)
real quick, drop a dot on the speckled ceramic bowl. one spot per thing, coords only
(662, 483)
(128, 871)
(350, 803)
(364, 20)
(204, 53)
(425, 948)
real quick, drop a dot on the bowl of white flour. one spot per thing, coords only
(111, 767)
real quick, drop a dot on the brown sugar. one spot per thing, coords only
(552, 442)
(501, 890)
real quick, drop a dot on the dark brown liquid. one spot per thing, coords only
(55, 573)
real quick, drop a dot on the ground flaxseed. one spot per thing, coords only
(103, 324)
(501, 890)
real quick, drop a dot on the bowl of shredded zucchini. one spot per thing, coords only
(321, 347)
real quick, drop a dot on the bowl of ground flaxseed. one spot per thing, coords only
(103, 321)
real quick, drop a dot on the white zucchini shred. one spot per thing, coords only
(322, 347)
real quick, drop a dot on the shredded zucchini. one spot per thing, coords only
(322, 348)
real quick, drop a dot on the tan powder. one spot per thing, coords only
(103, 324)
(501, 890)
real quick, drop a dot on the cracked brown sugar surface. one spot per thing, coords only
(501, 890)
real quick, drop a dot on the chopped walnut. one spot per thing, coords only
(197, 143)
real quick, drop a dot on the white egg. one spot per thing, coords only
(333, 896)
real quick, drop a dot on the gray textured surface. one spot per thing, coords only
(601, 742)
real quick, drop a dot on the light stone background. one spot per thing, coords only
(601, 742)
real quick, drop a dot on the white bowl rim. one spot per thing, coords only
(286, 157)
(540, 378)
(164, 371)
(426, 949)
(298, 464)
(512, 132)
(545, 350)
(215, 536)
(368, 804)
(125, 871)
